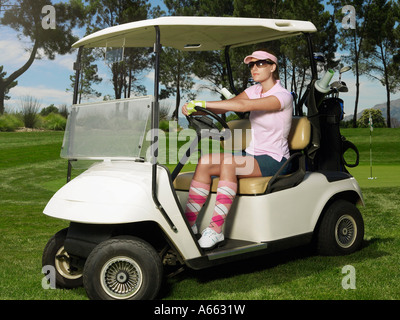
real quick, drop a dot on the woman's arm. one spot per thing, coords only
(215, 109)
(242, 103)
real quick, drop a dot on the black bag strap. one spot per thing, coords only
(346, 144)
(313, 117)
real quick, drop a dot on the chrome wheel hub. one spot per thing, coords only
(121, 277)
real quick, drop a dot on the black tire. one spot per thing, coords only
(341, 230)
(55, 255)
(123, 269)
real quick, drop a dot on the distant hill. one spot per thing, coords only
(394, 110)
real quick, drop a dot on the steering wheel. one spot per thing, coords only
(203, 122)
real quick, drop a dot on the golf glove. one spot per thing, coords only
(195, 103)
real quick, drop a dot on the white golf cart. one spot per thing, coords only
(126, 212)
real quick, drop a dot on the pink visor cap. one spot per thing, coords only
(260, 55)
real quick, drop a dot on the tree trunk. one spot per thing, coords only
(357, 81)
(387, 85)
(2, 96)
(357, 97)
(388, 120)
(177, 102)
(4, 83)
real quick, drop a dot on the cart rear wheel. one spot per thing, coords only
(342, 229)
(123, 269)
(55, 255)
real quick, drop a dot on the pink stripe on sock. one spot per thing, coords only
(224, 199)
(198, 194)
(196, 198)
(218, 220)
(226, 193)
(191, 216)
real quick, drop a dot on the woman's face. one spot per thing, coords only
(262, 73)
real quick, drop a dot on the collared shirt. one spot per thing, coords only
(270, 130)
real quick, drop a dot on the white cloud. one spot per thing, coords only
(150, 75)
(46, 96)
(66, 61)
(12, 53)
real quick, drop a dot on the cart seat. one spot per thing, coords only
(299, 138)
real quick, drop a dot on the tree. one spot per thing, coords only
(381, 47)
(108, 13)
(176, 76)
(183, 7)
(211, 65)
(254, 9)
(10, 86)
(47, 110)
(207, 65)
(115, 12)
(125, 73)
(176, 72)
(26, 18)
(5, 5)
(294, 52)
(89, 76)
(353, 39)
(377, 119)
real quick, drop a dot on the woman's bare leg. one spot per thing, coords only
(227, 167)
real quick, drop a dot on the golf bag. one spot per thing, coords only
(333, 145)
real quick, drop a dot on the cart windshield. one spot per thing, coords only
(108, 130)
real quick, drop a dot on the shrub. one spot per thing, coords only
(377, 119)
(54, 121)
(29, 110)
(63, 110)
(46, 111)
(10, 122)
(164, 125)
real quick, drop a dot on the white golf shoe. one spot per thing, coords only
(211, 239)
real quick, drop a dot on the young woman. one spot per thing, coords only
(270, 107)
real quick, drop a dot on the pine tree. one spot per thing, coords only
(25, 16)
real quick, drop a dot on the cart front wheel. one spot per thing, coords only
(123, 269)
(55, 255)
(342, 229)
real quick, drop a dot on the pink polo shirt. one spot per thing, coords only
(270, 130)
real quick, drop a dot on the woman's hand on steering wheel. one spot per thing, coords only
(201, 122)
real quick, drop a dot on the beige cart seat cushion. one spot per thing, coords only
(298, 139)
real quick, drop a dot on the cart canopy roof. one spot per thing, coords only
(196, 33)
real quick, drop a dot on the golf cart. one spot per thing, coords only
(126, 212)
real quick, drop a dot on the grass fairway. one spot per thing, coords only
(31, 170)
(382, 176)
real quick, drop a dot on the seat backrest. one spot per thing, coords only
(298, 139)
(300, 133)
(240, 135)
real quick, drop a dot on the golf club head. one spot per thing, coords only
(344, 69)
(335, 85)
(343, 87)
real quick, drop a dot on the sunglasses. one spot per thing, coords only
(259, 64)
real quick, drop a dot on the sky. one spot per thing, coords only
(47, 80)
